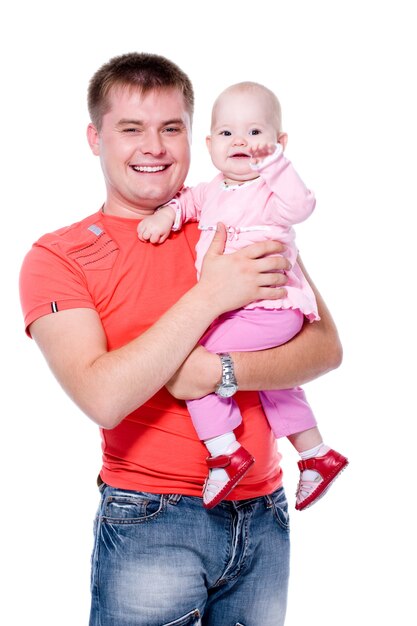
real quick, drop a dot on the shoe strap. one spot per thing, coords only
(223, 460)
(307, 464)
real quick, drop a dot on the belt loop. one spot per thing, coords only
(268, 502)
(174, 498)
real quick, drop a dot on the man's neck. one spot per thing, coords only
(117, 209)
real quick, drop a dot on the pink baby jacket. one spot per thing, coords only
(257, 210)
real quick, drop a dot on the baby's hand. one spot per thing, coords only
(260, 151)
(156, 227)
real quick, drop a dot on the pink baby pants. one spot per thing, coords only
(247, 330)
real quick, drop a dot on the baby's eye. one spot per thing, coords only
(255, 131)
(225, 133)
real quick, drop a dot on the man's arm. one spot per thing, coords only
(107, 386)
(313, 352)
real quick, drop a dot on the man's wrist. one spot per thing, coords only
(207, 371)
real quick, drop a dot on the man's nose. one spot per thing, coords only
(151, 143)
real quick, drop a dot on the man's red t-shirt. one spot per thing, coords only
(100, 263)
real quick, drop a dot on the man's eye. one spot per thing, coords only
(130, 130)
(255, 131)
(171, 129)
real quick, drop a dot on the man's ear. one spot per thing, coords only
(93, 139)
(208, 143)
(283, 140)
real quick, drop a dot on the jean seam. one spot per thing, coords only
(116, 521)
(241, 564)
(95, 582)
(278, 506)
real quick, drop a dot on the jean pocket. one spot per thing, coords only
(280, 508)
(126, 508)
(191, 619)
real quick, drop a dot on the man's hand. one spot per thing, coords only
(156, 227)
(234, 280)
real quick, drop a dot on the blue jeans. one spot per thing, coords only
(164, 560)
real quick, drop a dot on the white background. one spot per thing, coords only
(346, 76)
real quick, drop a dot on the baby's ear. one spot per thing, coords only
(208, 143)
(283, 140)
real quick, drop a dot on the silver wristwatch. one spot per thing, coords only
(227, 387)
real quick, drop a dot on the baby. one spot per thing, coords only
(258, 195)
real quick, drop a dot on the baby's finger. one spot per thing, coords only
(154, 237)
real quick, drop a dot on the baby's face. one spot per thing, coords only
(242, 119)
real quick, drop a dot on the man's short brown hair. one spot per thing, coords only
(139, 70)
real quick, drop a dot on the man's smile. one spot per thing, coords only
(149, 169)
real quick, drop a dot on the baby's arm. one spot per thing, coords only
(156, 228)
(185, 207)
(294, 201)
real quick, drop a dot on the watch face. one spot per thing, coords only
(227, 390)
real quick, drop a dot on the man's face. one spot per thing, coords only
(144, 148)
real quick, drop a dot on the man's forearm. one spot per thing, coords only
(108, 385)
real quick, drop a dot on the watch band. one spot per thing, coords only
(228, 371)
(228, 384)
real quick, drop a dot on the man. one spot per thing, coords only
(117, 320)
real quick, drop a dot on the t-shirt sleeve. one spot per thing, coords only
(50, 282)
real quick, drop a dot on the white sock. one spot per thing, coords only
(221, 445)
(319, 450)
(218, 445)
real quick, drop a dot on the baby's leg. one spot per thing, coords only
(213, 416)
(242, 330)
(214, 419)
(247, 330)
(306, 439)
(288, 411)
(290, 415)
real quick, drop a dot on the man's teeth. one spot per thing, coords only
(147, 168)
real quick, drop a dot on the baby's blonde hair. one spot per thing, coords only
(250, 86)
